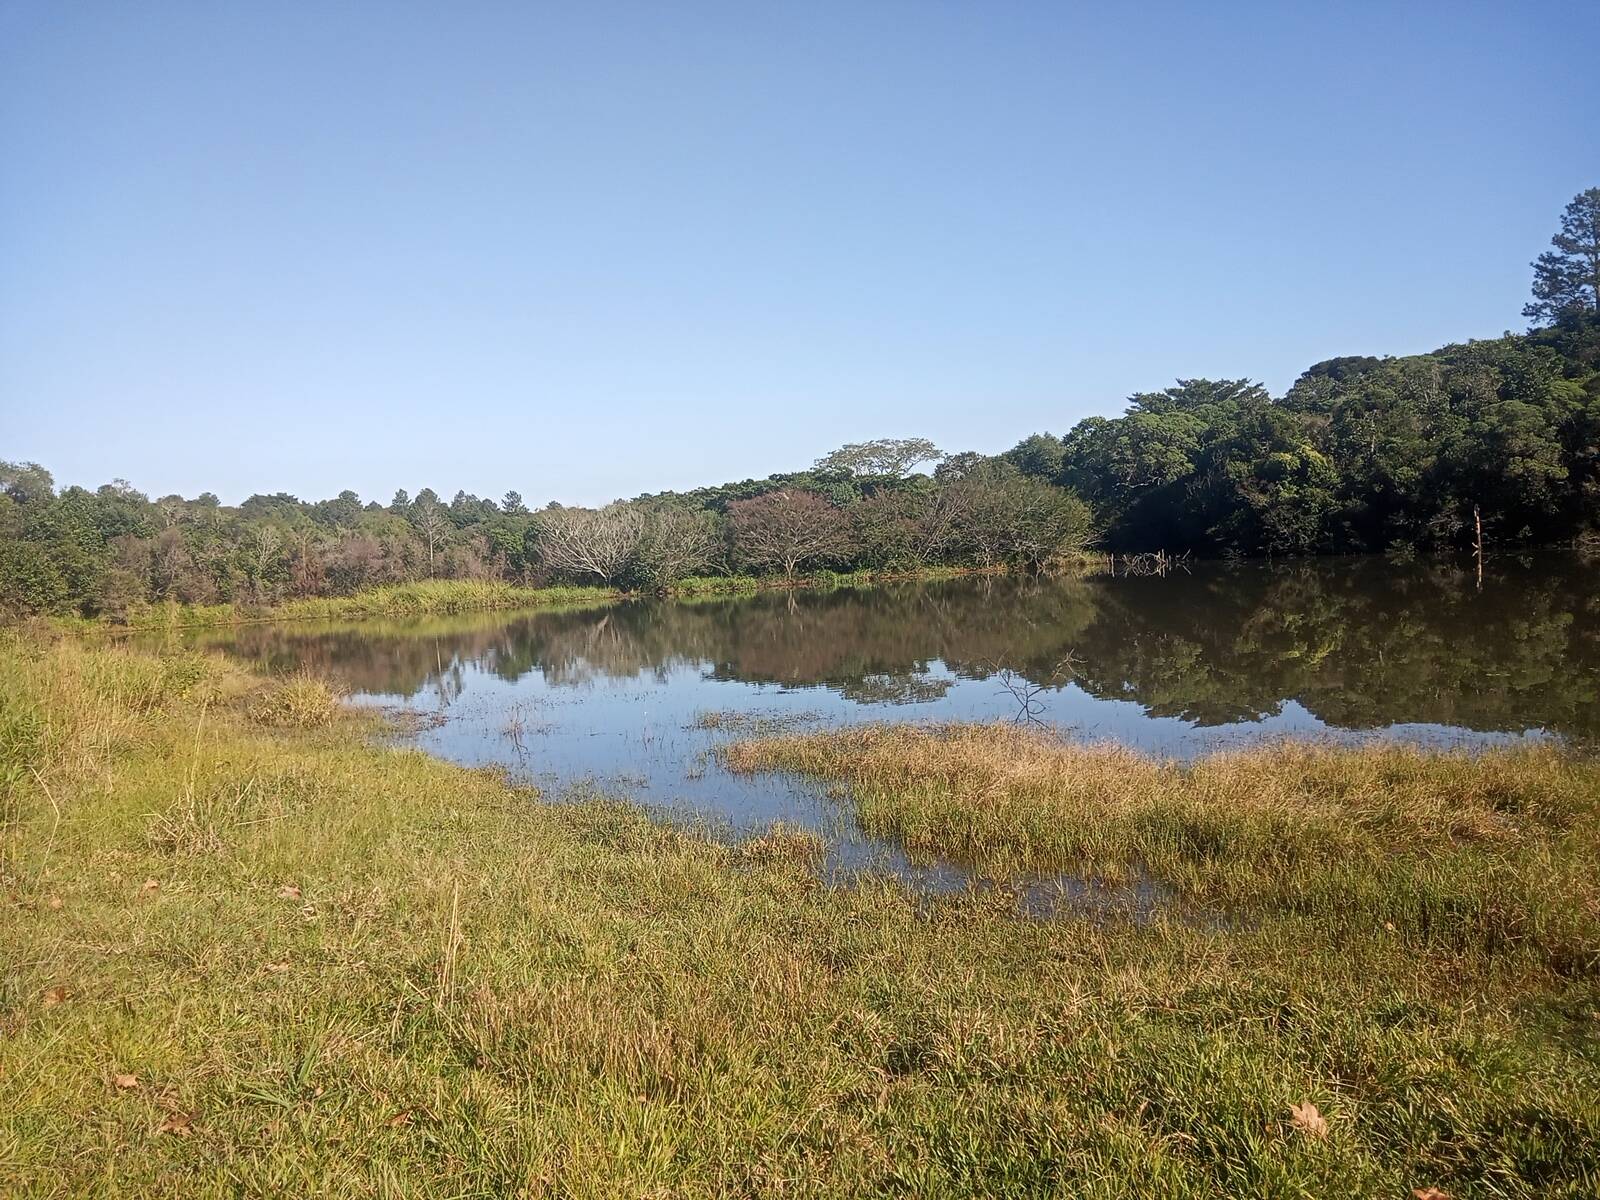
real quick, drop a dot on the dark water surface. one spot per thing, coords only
(635, 696)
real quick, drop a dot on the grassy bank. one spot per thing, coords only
(445, 597)
(432, 597)
(248, 952)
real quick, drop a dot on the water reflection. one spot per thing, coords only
(1355, 644)
(616, 694)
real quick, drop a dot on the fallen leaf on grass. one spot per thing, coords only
(55, 996)
(1308, 1120)
(289, 891)
(277, 968)
(55, 901)
(1430, 1193)
(177, 1123)
(400, 1119)
(125, 1082)
(149, 887)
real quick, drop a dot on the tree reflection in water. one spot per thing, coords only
(1360, 643)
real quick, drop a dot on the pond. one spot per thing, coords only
(633, 698)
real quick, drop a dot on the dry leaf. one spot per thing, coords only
(401, 1118)
(55, 996)
(1308, 1120)
(176, 1123)
(55, 901)
(277, 968)
(125, 1082)
(1430, 1193)
(289, 891)
(149, 886)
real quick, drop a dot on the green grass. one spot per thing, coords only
(1494, 851)
(717, 585)
(333, 968)
(443, 597)
(433, 597)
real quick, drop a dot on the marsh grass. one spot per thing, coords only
(243, 959)
(1494, 850)
(751, 724)
(431, 597)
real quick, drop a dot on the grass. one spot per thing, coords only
(1494, 852)
(432, 597)
(443, 597)
(247, 958)
(300, 702)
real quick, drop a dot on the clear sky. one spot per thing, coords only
(587, 250)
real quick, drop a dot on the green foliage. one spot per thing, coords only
(1361, 454)
(1566, 278)
(891, 457)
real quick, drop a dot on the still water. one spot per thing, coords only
(634, 697)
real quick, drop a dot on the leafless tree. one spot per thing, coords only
(679, 542)
(585, 541)
(433, 525)
(265, 542)
(788, 530)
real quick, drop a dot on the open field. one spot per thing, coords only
(249, 951)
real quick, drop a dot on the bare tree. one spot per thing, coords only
(428, 515)
(586, 541)
(679, 542)
(265, 542)
(787, 530)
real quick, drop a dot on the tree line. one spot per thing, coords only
(1397, 454)
(113, 550)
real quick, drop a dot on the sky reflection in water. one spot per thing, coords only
(1339, 649)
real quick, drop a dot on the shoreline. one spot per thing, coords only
(450, 597)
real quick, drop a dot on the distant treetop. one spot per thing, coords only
(886, 456)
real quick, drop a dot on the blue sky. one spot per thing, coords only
(590, 250)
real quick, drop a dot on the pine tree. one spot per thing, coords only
(1566, 280)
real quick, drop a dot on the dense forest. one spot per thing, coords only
(1395, 454)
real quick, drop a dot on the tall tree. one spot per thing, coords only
(1566, 279)
(886, 456)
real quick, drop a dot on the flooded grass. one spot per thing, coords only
(754, 724)
(258, 959)
(1494, 850)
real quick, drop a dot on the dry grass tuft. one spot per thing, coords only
(302, 701)
(785, 844)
